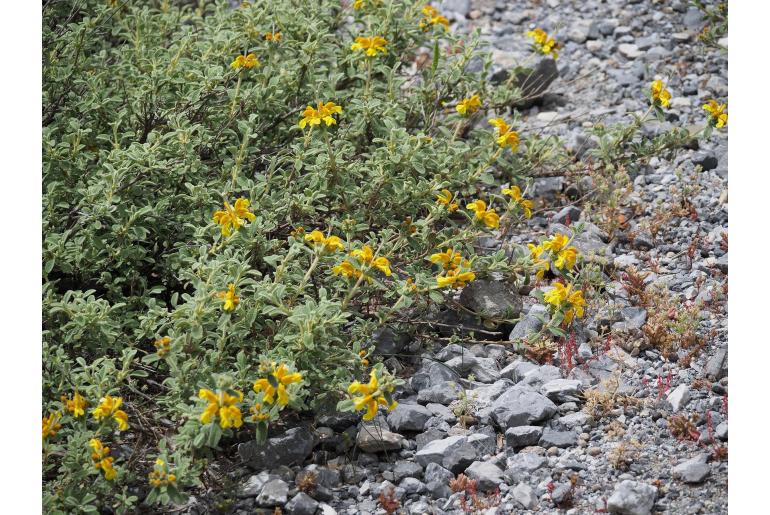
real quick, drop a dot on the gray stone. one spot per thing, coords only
(579, 31)
(292, 447)
(693, 18)
(405, 468)
(535, 82)
(517, 370)
(531, 323)
(388, 342)
(562, 390)
(428, 436)
(441, 411)
(716, 367)
(693, 470)
(488, 476)
(678, 397)
(444, 392)
(408, 417)
(546, 187)
(483, 443)
(523, 436)
(707, 160)
(430, 374)
(491, 299)
(411, 486)
(459, 7)
(302, 504)
(521, 406)
(561, 493)
(274, 493)
(554, 438)
(435, 473)
(721, 431)
(525, 496)
(458, 458)
(575, 420)
(632, 498)
(254, 484)
(373, 438)
(629, 51)
(539, 376)
(435, 451)
(633, 318)
(567, 214)
(527, 462)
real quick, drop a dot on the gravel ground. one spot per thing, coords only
(627, 430)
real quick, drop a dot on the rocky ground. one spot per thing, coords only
(614, 424)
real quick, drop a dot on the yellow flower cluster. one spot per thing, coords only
(160, 475)
(324, 243)
(324, 112)
(273, 387)
(230, 298)
(515, 193)
(468, 106)
(232, 217)
(455, 272)
(717, 114)
(371, 395)
(432, 17)
(370, 45)
(360, 4)
(660, 95)
(543, 43)
(245, 61)
(77, 405)
(273, 36)
(556, 249)
(445, 199)
(505, 136)
(366, 258)
(486, 216)
(162, 346)
(51, 425)
(109, 407)
(564, 298)
(102, 459)
(222, 405)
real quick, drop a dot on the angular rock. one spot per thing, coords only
(523, 436)
(491, 299)
(406, 469)
(531, 323)
(678, 397)
(274, 493)
(716, 367)
(483, 443)
(408, 417)
(488, 476)
(562, 390)
(373, 438)
(535, 82)
(458, 458)
(254, 484)
(302, 504)
(693, 470)
(525, 496)
(526, 462)
(292, 447)
(521, 406)
(431, 374)
(554, 438)
(411, 486)
(632, 498)
(388, 342)
(435, 451)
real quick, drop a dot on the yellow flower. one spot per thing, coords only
(455, 278)
(102, 459)
(76, 405)
(717, 114)
(360, 4)
(449, 259)
(163, 345)
(276, 383)
(557, 242)
(232, 217)
(347, 269)
(469, 105)
(257, 415)
(567, 258)
(660, 96)
(323, 113)
(371, 396)
(541, 265)
(222, 405)
(563, 297)
(370, 45)
(109, 407)
(51, 425)
(543, 43)
(515, 193)
(432, 17)
(487, 216)
(445, 199)
(231, 300)
(273, 36)
(245, 61)
(328, 244)
(505, 136)
(366, 256)
(364, 361)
